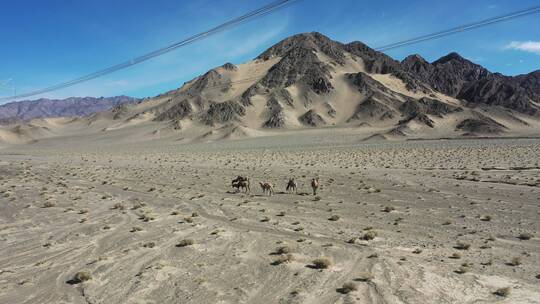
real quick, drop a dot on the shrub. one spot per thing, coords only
(81, 276)
(283, 250)
(525, 236)
(284, 258)
(49, 204)
(462, 245)
(348, 287)
(388, 209)
(322, 263)
(119, 206)
(184, 243)
(502, 292)
(515, 261)
(365, 277)
(369, 235)
(334, 218)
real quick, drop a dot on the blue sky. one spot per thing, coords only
(47, 42)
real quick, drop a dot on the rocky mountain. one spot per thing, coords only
(70, 107)
(311, 81)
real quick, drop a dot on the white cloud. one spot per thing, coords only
(526, 46)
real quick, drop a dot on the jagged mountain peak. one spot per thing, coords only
(414, 59)
(314, 42)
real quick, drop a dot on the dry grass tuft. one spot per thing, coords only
(462, 245)
(283, 259)
(502, 292)
(369, 235)
(322, 263)
(334, 218)
(348, 287)
(185, 243)
(515, 261)
(525, 236)
(283, 250)
(365, 277)
(49, 205)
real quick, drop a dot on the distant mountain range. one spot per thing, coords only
(70, 107)
(311, 81)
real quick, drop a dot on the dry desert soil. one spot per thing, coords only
(438, 221)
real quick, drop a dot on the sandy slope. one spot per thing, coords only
(440, 191)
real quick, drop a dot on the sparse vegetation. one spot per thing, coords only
(284, 258)
(283, 250)
(334, 218)
(515, 261)
(369, 235)
(81, 276)
(322, 263)
(525, 236)
(462, 245)
(185, 243)
(388, 209)
(365, 277)
(502, 292)
(49, 204)
(348, 287)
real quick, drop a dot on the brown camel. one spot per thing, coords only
(267, 188)
(315, 185)
(292, 186)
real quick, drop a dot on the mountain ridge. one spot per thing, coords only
(20, 111)
(311, 81)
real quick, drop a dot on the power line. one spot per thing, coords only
(229, 24)
(436, 35)
(461, 28)
(265, 10)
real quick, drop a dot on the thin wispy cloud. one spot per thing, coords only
(525, 46)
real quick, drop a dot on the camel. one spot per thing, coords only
(315, 185)
(267, 187)
(292, 186)
(241, 182)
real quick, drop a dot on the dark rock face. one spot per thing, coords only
(276, 117)
(222, 112)
(498, 91)
(308, 41)
(375, 62)
(482, 125)
(299, 65)
(429, 106)
(178, 111)
(420, 117)
(212, 80)
(229, 67)
(312, 119)
(455, 76)
(69, 107)
(372, 108)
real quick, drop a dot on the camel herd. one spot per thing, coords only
(242, 183)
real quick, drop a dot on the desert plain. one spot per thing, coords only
(418, 221)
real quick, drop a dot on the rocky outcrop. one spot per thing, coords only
(312, 119)
(480, 125)
(222, 112)
(178, 111)
(276, 117)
